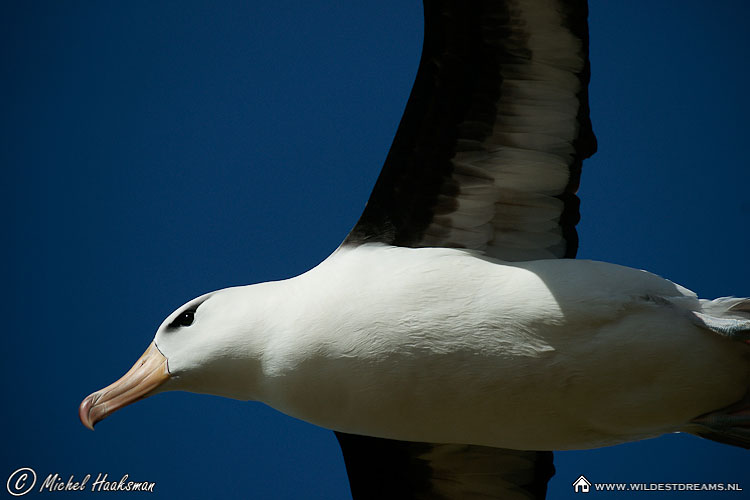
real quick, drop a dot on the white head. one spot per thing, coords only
(213, 344)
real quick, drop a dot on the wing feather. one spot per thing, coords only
(488, 153)
(384, 468)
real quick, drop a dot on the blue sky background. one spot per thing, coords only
(154, 151)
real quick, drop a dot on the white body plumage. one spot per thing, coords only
(444, 345)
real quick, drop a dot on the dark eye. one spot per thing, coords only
(184, 319)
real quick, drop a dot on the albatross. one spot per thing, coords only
(452, 331)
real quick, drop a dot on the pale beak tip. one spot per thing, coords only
(84, 411)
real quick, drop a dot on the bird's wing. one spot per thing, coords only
(383, 468)
(487, 157)
(488, 152)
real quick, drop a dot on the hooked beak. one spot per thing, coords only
(141, 381)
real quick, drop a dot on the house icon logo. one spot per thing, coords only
(581, 485)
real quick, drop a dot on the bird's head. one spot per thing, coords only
(212, 344)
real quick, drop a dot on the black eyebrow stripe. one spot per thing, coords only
(193, 309)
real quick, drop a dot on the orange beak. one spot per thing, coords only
(141, 381)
